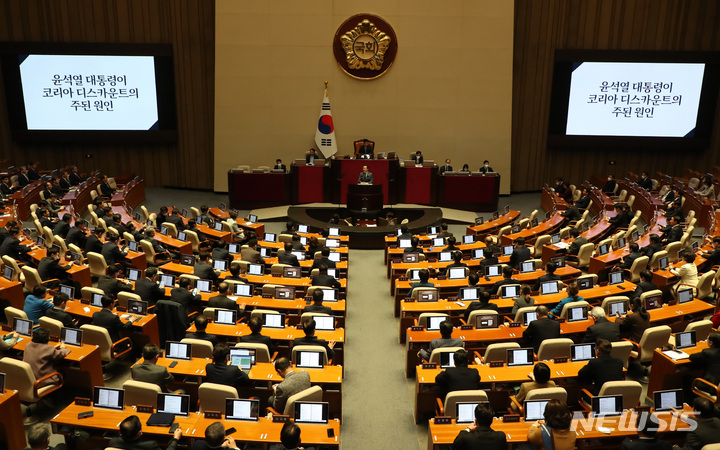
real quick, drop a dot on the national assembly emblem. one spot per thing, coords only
(365, 46)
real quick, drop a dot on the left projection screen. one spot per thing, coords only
(89, 92)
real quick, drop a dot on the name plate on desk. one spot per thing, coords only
(396, 261)
(85, 301)
(496, 363)
(278, 418)
(267, 296)
(443, 420)
(416, 328)
(393, 246)
(560, 359)
(466, 327)
(145, 409)
(402, 278)
(441, 277)
(432, 260)
(514, 324)
(213, 415)
(80, 401)
(121, 308)
(409, 300)
(276, 275)
(511, 418)
(429, 366)
(561, 321)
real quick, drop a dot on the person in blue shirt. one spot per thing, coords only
(424, 277)
(35, 305)
(572, 291)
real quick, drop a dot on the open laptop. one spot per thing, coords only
(218, 225)
(178, 404)
(520, 356)
(465, 411)
(577, 314)
(469, 293)
(527, 267)
(607, 405)
(324, 323)
(139, 307)
(225, 317)
(22, 327)
(653, 302)
(333, 231)
(509, 291)
(292, 272)
(164, 230)
(133, 274)
(668, 400)
(310, 359)
(507, 250)
(331, 295)
(178, 350)
(270, 237)
(529, 316)
(555, 238)
(243, 290)
(244, 358)
(272, 320)
(96, 299)
(68, 290)
(685, 296)
(582, 352)
(414, 274)
(549, 287)
(663, 263)
(302, 228)
(486, 321)
(468, 239)
(167, 280)
(493, 271)
(456, 273)
(108, 398)
(615, 278)
(71, 336)
(265, 252)
(284, 292)
(242, 409)
(311, 412)
(534, 410)
(256, 269)
(685, 339)
(603, 249)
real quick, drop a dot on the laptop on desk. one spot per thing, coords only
(242, 409)
(108, 398)
(71, 336)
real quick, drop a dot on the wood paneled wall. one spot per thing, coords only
(189, 25)
(542, 26)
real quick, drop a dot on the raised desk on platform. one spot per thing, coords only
(257, 228)
(25, 197)
(243, 189)
(468, 192)
(80, 198)
(493, 226)
(131, 196)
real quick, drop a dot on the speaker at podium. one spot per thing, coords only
(365, 197)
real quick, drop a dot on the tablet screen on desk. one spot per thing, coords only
(469, 239)
(509, 291)
(324, 323)
(187, 260)
(284, 292)
(685, 295)
(22, 326)
(311, 412)
(269, 237)
(218, 226)
(555, 238)
(434, 322)
(438, 242)
(520, 356)
(108, 398)
(274, 320)
(507, 250)
(404, 243)
(243, 358)
(256, 269)
(529, 316)
(615, 277)
(477, 253)
(433, 230)
(139, 307)
(577, 314)
(607, 405)
(685, 340)
(663, 262)
(584, 283)
(456, 273)
(265, 252)
(242, 409)
(667, 400)
(527, 267)
(243, 290)
(486, 321)
(234, 249)
(653, 302)
(71, 336)
(334, 257)
(334, 273)
(332, 243)
(167, 280)
(410, 257)
(163, 230)
(292, 272)
(303, 240)
(68, 290)
(470, 293)
(220, 264)
(330, 295)
(415, 275)
(620, 242)
(465, 411)
(582, 352)
(493, 271)
(299, 255)
(559, 261)
(616, 308)
(182, 236)
(445, 256)
(603, 250)
(447, 359)
(310, 359)
(96, 299)
(8, 273)
(427, 295)
(333, 231)
(252, 218)
(178, 350)
(549, 287)
(203, 285)
(173, 404)
(302, 228)
(133, 246)
(133, 274)
(225, 317)
(535, 410)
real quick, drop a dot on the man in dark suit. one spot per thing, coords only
(646, 284)
(445, 340)
(520, 253)
(622, 217)
(418, 158)
(58, 311)
(64, 181)
(6, 189)
(480, 434)
(631, 257)
(93, 242)
(602, 329)
(62, 228)
(5, 231)
(578, 241)
(713, 257)
(201, 322)
(610, 184)
(460, 377)
(220, 372)
(106, 319)
(256, 325)
(287, 257)
(311, 339)
(644, 181)
(222, 301)
(444, 233)
(673, 231)
(78, 234)
(150, 372)
(310, 157)
(366, 177)
(317, 305)
(424, 275)
(708, 426)
(130, 433)
(75, 177)
(105, 188)
(550, 268)
(414, 246)
(176, 219)
(481, 304)
(324, 259)
(540, 329)
(32, 172)
(654, 247)
(184, 296)
(365, 150)
(457, 262)
(446, 168)
(12, 247)
(23, 178)
(204, 270)
(602, 368)
(215, 438)
(112, 253)
(709, 359)
(451, 247)
(279, 165)
(220, 251)
(50, 268)
(234, 270)
(507, 279)
(148, 289)
(111, 285)
(297, 245)
(486, 167)
(251, 254)
(323, 279)
(647, 426)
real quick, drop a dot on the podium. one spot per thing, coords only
(367, 197)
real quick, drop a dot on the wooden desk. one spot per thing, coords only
(549, 226)
(469, 192)
(12, 291)
(265, 432)
(82, 367)
(306, 266)
(177, 245)
(23, 202)
(12, 431)
(79, 274)
(667, 373)
(258, 190)
(550, 201)
(493, 226)
(148, 324)
(395, 253)
(600, 263)
(131, 195)
(257, 228)
(78, 198)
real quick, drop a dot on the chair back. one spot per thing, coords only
(128, 237)
(435, 355)
(638, 266)
(553, 393)
(630, 200)
(417, 291)
(630, 391)
(123, 298)
(311, 289)
(212, 396)
(564, 233)
(704, 286)
(503, 231)
(284, 238)
(60, 242)
(585, 254)
(199, 348)
(567, 306)
(19, 376)
(269, 288)
(172, 230)
(554, 348)
(472, 318)
(309, 348)
(193, 239)
(652, 338)
(455, 397)
(615, 299)
(621, 350)
(312, 394)
(88, 291)
(100, 337)
(11, 313)
(593, 276)
(195, 213)
(673, 250)
(424, 318)
(97, 264)
(498, 351)
(278, 268)
(622, 196)
(259, 312)
(53, 325)
(32, 277)
(10, 261)
(141, 393)
(655, 261)
(539, 242)
(262, 354)
(702, 329)
(519, 313)
(149, 251)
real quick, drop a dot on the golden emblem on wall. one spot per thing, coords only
(365, 46)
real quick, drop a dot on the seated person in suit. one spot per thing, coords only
(451, 247)
(457, 261)
(220, 251)
(12, 247)
(524, 300)
(287, 257)
(446, 168)
(712, 258)
(310, 157)
(204, 270)
(365, 150)
(220, 372)
(215, 437)
(634, 323)
(458, 378)
(255, 337)
(610, 184)
(290, 438)
(540, 377)
(644, 181)
(520, 253)
(507, 279)
(418, 158)
(311, 339)
(131, 432)
(323, 279)
(222, 301)
(486, 167)
(42, 356)
(622, 218)
(39, 438)
(424, 275)
(148, 289)
(365, 177)
(234, 270)
(107, 190)
(58, 311)
(630, 258)
(184, 296)
(540, 329)
(296, 244)
(414, 246)
(572, 296)
(204, 217)
(446, 329)
(150, 372)
(491, 253)
(550, 269)
(160, 251)
(323, 259)
(444, 233)
(112, 253)
(482, 303)
(655, 246)
(404, 232)
(107, 319)
(63, 226)
(111, 285)
(279, 165)
(578, 241)
(602, 368)
(293, 382)
(317, 305)
(647, 426)
(673, 231)
(709, 359)
(602, 329)
(35, 304)
(313, 246)
(708, 426)
(480, 433)
(250, 253)
(201, 322)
